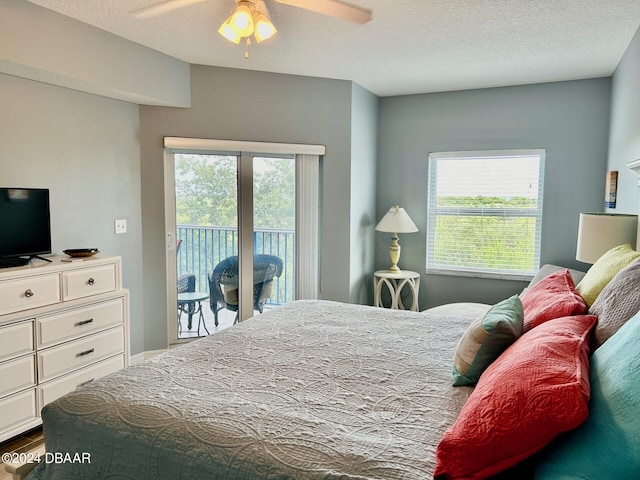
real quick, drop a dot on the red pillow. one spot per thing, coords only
(537, 389)
(554, 296)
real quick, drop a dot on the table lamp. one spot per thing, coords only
(600, 232)
(395, 221)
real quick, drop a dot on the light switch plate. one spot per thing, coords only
(121, 226)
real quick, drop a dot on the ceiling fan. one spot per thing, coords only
(252, 18)
(331, 8)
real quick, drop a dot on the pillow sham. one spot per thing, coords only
(485, 339)
(603, 271)
(549, 268)
(617, 303)
(537, 389)
(552, 297)
(607, 445)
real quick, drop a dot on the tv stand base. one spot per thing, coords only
(39, 258)
(20, 261)
(13, 262)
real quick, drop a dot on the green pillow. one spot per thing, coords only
(485, 339)
(603, 271)
(607, 444)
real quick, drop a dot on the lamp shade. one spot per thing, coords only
(600, 232)
(242, 20)
(228, 32)
(396, 220)
(263, 28)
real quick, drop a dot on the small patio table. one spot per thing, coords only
(191, 304)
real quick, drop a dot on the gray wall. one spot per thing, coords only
(364, 137)
(85, 149)
(624, 139)
(43, 45)
(241, 105)
(569, 119)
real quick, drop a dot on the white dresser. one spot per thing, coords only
(62, 324)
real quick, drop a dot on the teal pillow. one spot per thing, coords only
(485, 339)
(607, 444)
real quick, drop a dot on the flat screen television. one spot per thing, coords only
(25, 225)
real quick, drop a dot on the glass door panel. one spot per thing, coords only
(206, 190)
(274, 223)
(235, 221)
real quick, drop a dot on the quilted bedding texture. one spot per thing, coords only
(311, 390)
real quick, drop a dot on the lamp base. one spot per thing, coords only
(394, 253)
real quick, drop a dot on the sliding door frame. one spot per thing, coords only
(245, 235)
(307, 196)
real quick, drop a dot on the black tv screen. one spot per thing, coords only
(25, 222)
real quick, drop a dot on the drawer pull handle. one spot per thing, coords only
(86, 383)
(86, 352)
(84, 322)
(91, 281)
(28, 293)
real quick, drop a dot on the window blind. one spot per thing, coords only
(485, 213)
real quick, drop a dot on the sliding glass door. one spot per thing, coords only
(235, 238)
(242, 233)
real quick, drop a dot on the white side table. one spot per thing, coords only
(395, 282)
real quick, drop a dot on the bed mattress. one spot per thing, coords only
(310, 390)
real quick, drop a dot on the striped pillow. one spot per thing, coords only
(485, 339)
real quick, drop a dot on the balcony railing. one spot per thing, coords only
(202, 248)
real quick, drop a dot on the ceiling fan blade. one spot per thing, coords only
(162, 7)
(333, 8)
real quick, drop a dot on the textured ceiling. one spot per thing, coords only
(410, 46)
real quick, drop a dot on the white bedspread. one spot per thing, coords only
(311, 390)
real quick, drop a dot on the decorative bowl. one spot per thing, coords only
(80, 252)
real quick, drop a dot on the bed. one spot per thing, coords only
(326, 390)
(310, 390)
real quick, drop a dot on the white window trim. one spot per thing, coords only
(479, 273)
(209, 144)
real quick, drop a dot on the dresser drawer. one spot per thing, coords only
(88, 281)
(16, 375)
(16, 340)
(29, 292)
(18, 409)
(56, 361)
(80, 322)
(54, 389)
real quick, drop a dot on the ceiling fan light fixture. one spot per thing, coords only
(263, 28)
(242, 20)
(227, 31)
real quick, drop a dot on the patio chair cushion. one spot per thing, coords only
(230, 293)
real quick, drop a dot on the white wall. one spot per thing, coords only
(85, 149)
(624, 139)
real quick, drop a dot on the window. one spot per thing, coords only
(485, 213)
